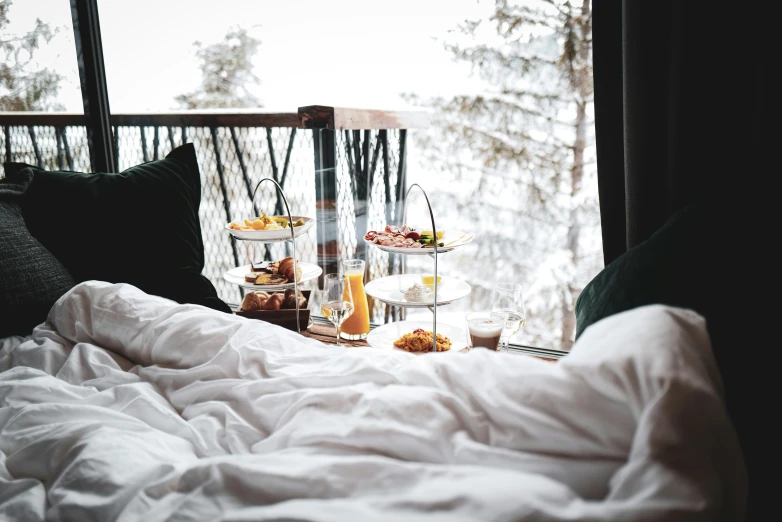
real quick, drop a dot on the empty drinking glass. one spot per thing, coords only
(508, 306)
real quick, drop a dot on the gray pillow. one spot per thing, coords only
(31, 278)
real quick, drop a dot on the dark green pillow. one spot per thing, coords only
(679, 265)
(717, 258)
(140, 226)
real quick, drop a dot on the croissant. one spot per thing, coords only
(286, 269)
(251, 302)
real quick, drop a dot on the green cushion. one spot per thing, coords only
(140, 226)
(678, 266)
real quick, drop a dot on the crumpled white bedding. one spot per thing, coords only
(124, 406)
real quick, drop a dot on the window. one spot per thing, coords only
(40, 78)
(508, 154)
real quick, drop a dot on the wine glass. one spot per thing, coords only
(507, 304)
(337, 300)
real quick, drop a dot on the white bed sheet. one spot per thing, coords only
(124, 406)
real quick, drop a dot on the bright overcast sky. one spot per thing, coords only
(350, 53)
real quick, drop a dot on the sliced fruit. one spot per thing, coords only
(283, 222)
(299, 223)
(266, 219)
(428, 280)
(440, 233)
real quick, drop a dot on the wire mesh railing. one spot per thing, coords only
(345, 167)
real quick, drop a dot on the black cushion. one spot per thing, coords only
(31, 278)
(140, 226)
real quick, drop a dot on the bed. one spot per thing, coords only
(127, 406)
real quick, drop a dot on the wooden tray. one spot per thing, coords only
(284, 318)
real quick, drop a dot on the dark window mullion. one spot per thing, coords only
(95, 95)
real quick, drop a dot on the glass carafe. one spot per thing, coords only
(357, 325)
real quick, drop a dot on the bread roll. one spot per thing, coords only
(274, 302)
(289, 301)
(262, 298)
(251, 302)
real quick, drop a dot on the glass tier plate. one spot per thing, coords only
(390, 289)
(272, 236)
(236, 276)
(383, 337)
(451, 240)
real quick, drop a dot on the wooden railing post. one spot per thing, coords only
(325, 149)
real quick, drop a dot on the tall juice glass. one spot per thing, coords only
(357, 325)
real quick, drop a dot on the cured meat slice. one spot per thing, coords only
(394, 236)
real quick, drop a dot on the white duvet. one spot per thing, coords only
(125, 406)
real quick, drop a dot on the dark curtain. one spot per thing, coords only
(682, 100)
(685, 114)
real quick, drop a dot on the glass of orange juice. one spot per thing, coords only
(357, 325)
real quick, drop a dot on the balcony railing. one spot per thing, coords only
(345, 166)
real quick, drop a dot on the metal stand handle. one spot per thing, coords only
(293, 240)
(433, 308)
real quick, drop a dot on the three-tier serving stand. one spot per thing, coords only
(292, 240)
(435, 251)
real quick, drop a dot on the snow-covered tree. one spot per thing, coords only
(23, 87)
(227, 73)
(517, 160)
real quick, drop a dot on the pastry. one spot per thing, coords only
(270, 279)
(251, 277)
(262, 298)
(274, 302)
(286, 268)
(251, 302)
(289, 301)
